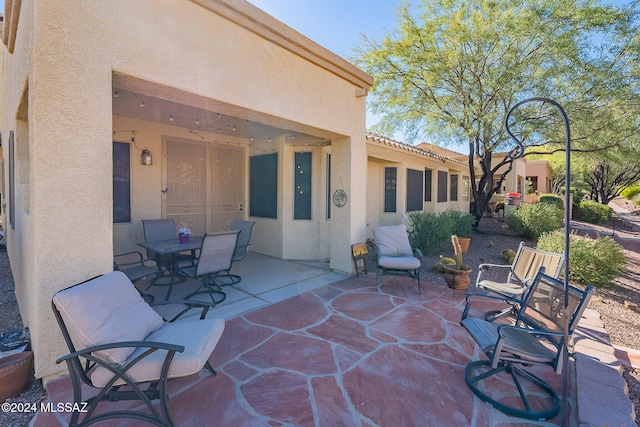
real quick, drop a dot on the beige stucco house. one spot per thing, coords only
(242, 116)
(529, 178)
(403, 178)
(199, 110)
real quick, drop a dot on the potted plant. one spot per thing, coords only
(457, 276)
(462, 224)
(183, 235)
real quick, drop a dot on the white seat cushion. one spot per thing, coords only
(392, 240)
(105, 310)
(406, 262)
(199, 338)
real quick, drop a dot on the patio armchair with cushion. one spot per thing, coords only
(122, 348)
(520, 275)
(506, 381)
(394, 254)
(216, 256)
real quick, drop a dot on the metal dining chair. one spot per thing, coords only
(164, 229)
(216, 256)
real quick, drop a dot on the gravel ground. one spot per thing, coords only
(487, 244)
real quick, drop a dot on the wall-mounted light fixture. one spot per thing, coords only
(146, 157)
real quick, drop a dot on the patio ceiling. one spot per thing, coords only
(201, 121)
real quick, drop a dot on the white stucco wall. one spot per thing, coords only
(70, 53)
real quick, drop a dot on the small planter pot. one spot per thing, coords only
(15, 373)
(184, 239)
(457, 279)
(464, 243)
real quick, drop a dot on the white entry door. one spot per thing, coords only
(204, 187)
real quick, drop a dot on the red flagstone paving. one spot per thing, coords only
(352, 353)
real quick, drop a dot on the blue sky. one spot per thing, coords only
(334, 24)
(337, 25)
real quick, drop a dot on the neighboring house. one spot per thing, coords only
(403, 178)
(529, 178)
(538, 181)
(242, 116)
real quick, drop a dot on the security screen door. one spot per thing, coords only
(203, 185)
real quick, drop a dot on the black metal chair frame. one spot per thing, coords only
(155, 390)
(509, 346)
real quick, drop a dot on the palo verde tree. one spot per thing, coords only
(451, 70)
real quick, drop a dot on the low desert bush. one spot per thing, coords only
(631, 191)
(429, 231)
(594, 212)
(552, 199)
(461, 222)
(531, 220)
(591, 261)
(508, 255)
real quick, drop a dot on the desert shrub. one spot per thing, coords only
(552, 199)
(461, 222)
(631, 191)
(508, 255)
(591, 261)
(531, 220)
(429, 231)
(636, 199)
(594, 212)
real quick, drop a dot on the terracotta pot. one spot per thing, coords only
(456, 279)
(464, 243)
(15, 373)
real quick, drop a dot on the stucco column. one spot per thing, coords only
(348, 223)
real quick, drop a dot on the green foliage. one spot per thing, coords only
(462, 222)
(429, 231)
(552, 199)
(531, 220)
(594, 212)
(591, 261)
(451, 70)
(630, 191)
(508, 255)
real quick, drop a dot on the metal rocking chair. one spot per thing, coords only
(536, 338)
(521, 273)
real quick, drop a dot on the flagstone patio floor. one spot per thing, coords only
(364, 352)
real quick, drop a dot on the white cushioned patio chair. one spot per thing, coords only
(395, 256)
(520, 275)
(120, 346)
(505, 380)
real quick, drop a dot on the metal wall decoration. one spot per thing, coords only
(340, 196)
